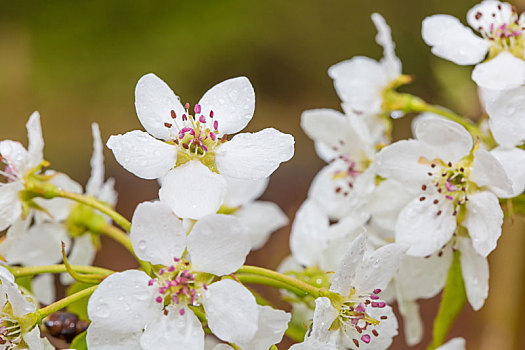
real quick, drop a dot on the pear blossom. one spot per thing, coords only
(453, 200)
(179, 146)
(341, 187)
(502, 40)
(17, 162)
(260, 217)
(360, 319)
(14, 306)
(361, 81)
(154, 313)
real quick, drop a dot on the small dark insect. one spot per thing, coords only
(65, 325)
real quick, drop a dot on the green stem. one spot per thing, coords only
(62, 303)
(92, 202)
(295, 283)
(36, 270)
(256, 279)
(452, 302)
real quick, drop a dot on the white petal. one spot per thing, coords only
(421, 229)
(448, 139)
(261, 219)
(486, 18)
(487, 171)
(154, 102)
(336, 131)
(35, 147)
(192, 190)
(387, 329)
(33, 340)
(59, 208)
(483, 220)
(254, 155)
(506, 115)
(390, 61)
(82, 253)
(16, 156)
(43, 287)
(420, 277)
(107, 193)
(453, 41)
(412, 322)
(400, 161)
(307, 239)
(231, 311)
(6, 275)
(513, 162)
(359, 83)
(173, 332)
(500, 73)
(376, 269)
(453, 344)
(40, 245)
(475, 270)
(345, 275)
(10, 207)
(271, 327)
(96, 180)
(101, 338)
(218, 244)
(241, 192)
(124, 302)
(385, 212)
(157, 234)
(143, 155)
(19, 302)
(232, 103)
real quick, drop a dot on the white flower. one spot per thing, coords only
(191, 153)
(451, 186)
(360, 81)
(342, 186)
(361, 319)
(316, 243)
(502, 39)
(17, 162)
(260, 217)
(447, 177)
(153, 313)
(453, 344)
(13, 307)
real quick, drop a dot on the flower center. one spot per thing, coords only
(177, 285)
(195, 135)
(9, 172)
(356, 324)
(345, 175)
(10, 331)
(503, 31)
(450, 181)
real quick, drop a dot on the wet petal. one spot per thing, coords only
(500, 73)
(231, 311)
(506, 116)
(487, 171)
(143, 155)
(192, 190)
(101, 338)
(35, 146)
(241, 192)
(513, 162)
(96, 180)
(475, 270)
(232, 103)
(157, 233)
(154, 101)
(345, 276)
(218, 244)
(10, 207)
(453, 41)
(377, 268)
(420, 227)
(254, 155)
(270, 329)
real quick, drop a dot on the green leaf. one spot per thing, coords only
(79, 343)
(452, 302)
(79, 307)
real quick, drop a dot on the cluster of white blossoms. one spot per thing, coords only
(384, 222)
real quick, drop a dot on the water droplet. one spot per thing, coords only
(102, 310)
(142, 245)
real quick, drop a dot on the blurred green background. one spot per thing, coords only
(78, 61)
